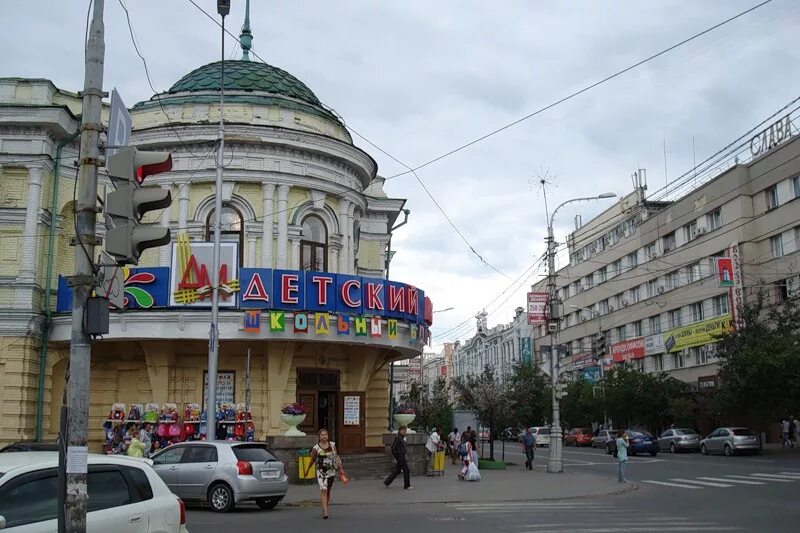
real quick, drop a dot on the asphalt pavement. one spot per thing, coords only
(668, 493)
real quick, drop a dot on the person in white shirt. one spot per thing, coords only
(431, 446)
(454, 439)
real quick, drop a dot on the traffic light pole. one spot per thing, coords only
(213, 334)
(75, 463)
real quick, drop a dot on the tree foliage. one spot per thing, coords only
(582, 405)
(759, 372)
(434, 407)
(488, 398)
(530, 397)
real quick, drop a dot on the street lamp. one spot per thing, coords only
(554, 463)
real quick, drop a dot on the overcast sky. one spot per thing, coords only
(419, 78)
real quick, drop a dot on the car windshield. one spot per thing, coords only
(544, 431)
(253, 453)
(634, 434)
(743, 432)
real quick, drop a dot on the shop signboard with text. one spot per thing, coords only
(628, 350)
(537, 307)
(190, 283)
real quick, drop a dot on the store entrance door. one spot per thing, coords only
(318, 391)
(352, 431)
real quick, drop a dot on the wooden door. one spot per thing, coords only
(309, 400)
(352, 431)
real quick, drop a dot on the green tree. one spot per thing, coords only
(529, 391)
(635, 398)
(434, 407)
(582, 405)
(759, 372)
(488, 398)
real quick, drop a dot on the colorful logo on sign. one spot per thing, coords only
(145, 288)
(191, 282)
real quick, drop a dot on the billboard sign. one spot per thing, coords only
(628, 350)
(537, 308)
(697, 334)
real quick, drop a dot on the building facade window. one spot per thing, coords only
(651, 251)
(669, 242)
(314, 245)
(690, 231)
(637, 328)
(621, 336)
(776, 245)
(796, 186)
(654, 324)
(633, 260)
(674, 318)
(616, 268)
(771, 197)
(652, 288)
(658, 362)
(672, 280)
(635, 295)
(781, 291)
(693, 272)
(602, 275)
(714, 219)
(678, 360)
(231, 228)
(697, 312)
(721, 305)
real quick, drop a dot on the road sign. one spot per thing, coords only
(119, 124)
(111, 282)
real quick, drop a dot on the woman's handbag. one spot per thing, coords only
(343, 477)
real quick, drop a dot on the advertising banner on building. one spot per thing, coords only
(724, 269)
(697, 334)
(653, 344)
(591, 374)
(737, 290)
(415, 368)
(537, 307)
(525, 350)
(628, 350)
(582, 361)
(144, 287)
(190, 282)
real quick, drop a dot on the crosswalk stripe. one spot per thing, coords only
(527, 504)
(741, 481)
(797, 474)
(623, 525)
(777, 476)
(705, 483)
(678, 485)
(637, 528)
(751, 478)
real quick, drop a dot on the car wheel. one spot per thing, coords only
(267, 503)
(728, 450)
(220, 496)
(672, 448)
(703, 449)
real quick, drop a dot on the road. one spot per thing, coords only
(684, 492)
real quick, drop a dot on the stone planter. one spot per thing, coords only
(402, 419)
(293, 421)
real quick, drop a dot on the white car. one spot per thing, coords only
(542, 434)
(125, 495)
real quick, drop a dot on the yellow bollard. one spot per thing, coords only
(438, 461)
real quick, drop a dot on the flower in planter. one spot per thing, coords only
(405, 409)
(294, 409)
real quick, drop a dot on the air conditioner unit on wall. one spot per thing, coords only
(660, 289)
(702, 230)
(624, 303)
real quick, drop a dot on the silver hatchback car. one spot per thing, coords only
(223, 473)
(730, 440)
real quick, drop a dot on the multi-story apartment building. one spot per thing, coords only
(645, 273)
(500, 347)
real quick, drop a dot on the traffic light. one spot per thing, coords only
(126, 238)
(600, 349)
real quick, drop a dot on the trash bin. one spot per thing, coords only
(303, 460)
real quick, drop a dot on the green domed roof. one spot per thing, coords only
(246, 76)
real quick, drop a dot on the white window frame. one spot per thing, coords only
(719, 308)
(654, 321)
(776, 245)
(714, 219)
(697, 312)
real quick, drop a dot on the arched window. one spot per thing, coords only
(231, 228)
(314, 245)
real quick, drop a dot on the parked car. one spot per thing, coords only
(542, 434)
(223, 473)
(510, 434)
(603, 436)
(30, 446)
(730, 441)
(578, 437)
(125, 494)
(679, 439)
(638, 442)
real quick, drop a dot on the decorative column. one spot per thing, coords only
(333, 259)
(351, 245)
(251, 249)
(283, 225)
(267, 193)
(164, 251)
(295, 253)
(344, 207)
(183, 208)
(27, 270)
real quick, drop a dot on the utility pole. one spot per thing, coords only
(223, 8)
(554, 462)
(75, 462)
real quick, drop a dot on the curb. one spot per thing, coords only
(628, 488)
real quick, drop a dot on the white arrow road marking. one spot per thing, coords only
(706, 483)
(741, 481)
(678, 485)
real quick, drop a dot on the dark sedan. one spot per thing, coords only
(638, 442)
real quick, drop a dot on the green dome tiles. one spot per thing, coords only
(246, 76)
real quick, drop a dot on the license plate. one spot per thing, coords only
(270, 474)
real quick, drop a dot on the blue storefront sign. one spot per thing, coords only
(145, 288)
(591, 374)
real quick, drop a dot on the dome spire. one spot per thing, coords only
(246, 37)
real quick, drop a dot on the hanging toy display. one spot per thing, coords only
(151, 413)
(117, 412)
(135, 412)
(169, 413)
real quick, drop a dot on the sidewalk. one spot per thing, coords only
(512, 484)
(776, 448)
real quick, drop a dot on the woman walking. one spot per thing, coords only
(327, 463)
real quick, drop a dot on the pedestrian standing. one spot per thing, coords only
(785, 432)
(400, 460)
(146, 437)
(622, 455)
(432, 445)
(792, 431)
(796, 424)
(473, 441)
(529, 447)
(327, 463)
(454, 439)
